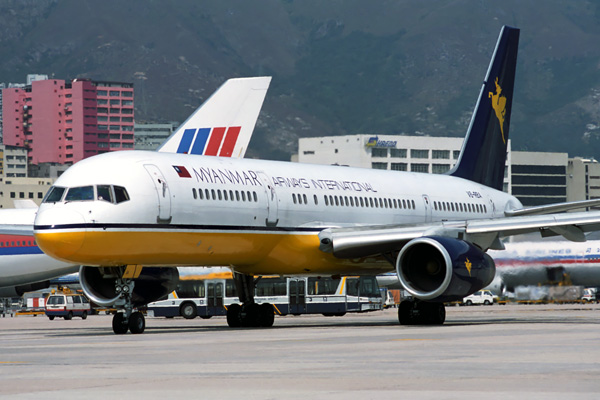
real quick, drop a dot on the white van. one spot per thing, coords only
(480, 297)
(67, 306)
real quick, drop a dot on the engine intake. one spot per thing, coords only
(99, 284)
(438, 268)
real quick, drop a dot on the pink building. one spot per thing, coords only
(64, 122)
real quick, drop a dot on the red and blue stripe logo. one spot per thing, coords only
(209, 141)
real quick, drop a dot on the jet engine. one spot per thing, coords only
(101, 285)
(439, 269)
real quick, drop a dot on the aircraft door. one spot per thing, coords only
(297, 294)
(272, 206)
(427, 204)
(163, 193)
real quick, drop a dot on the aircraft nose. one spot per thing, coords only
(59, 233)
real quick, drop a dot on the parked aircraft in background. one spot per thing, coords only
(23, 266)
(222, 126)
(278, 218)
(547, 262)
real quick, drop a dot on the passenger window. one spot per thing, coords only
(104, 193)
(237, 195)
(224, 194)
(194, 193)
(305, 199)
(315, 199)
(54, 194)
(326, 200)
(200, 194)
(81, 193)
(121, 194)
(255, 196)
(294, 197)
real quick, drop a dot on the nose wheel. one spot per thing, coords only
(127, 320)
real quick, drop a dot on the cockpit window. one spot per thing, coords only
(104, 193)
(54, 194)
(80, 193)
(121, 194)
(109, 193)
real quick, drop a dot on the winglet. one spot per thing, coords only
(223, 124)
(483, 154)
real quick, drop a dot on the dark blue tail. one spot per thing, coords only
(483, 154)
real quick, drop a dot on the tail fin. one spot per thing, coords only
(223, 124)
(483, 154)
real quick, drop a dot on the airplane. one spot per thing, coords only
(280, 218)
(526, 263)
(232, 112)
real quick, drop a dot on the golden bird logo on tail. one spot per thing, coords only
(499, 106)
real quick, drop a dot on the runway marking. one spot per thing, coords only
(13, 362)
(408, 339)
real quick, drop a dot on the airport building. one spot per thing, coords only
(535, 178)
(13, 190)
(583, 179)
(150, 136)
(63, 122)
(13, 161)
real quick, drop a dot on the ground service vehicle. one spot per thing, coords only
(299, 295)
(484, 297)
(67, 305)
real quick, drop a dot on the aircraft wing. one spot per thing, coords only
(363, 241)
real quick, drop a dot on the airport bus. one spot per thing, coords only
(209, 295)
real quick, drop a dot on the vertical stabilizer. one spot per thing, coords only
(223, 124)
(483, 154)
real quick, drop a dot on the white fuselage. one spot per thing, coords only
(261, 217)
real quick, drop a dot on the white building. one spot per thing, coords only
(535, 178)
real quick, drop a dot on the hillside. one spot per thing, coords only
(339, 67)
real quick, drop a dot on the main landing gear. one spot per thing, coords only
(248, 314)
(133, 321)
(417, 312)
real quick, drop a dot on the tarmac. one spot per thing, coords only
(481, 352)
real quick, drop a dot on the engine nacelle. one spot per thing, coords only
(438, 268)
(98, 284)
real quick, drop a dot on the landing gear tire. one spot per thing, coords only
(119, 324)
(188, 311)
(421, 313)
(137, 322)
(433, 313)
(405, 316)
(266, 316)
(233, 316)
(250, 315)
